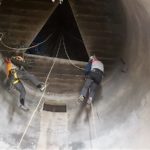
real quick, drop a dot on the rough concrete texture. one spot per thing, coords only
(119, 118)
(21, 20)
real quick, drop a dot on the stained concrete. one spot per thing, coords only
(21, 20)
(119, 118)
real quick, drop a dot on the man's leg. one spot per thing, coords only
(23, 74)
(92, 92)
(85, 89)
(19, 87)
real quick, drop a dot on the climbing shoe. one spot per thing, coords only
(41, 86)
(23, 107)
(89, 101)
(81, 98)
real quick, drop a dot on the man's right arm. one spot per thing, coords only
(19, 63)
(87, 69)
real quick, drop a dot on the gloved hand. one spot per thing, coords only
(21, 68)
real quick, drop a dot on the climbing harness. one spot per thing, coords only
(15, 77)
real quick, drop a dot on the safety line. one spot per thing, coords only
(23, 49)
(90, 135)
(73, 36)
(54, 61)
(103, 83)
(69, 57)
(92, 107)
(93, 119)
(92, 127)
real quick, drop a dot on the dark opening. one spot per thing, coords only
(54, 108)
(61, 23)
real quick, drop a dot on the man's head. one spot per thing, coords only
(91, 58)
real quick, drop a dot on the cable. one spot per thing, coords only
(103, 83)
(92, 127)
(23, 49)
(73, 36)
(93, 119)
(40, 98)
(69, 57)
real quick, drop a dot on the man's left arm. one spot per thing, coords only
(19, 62)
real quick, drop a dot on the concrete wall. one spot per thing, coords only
(102, 26)
(120, 114)
(22, 20)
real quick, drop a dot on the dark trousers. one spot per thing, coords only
(25, 75)
(91, 83)
(89, 86)
(20, 88)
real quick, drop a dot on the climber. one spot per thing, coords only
(94, 73)
(15, 73)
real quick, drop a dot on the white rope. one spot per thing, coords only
(92, 127)
(22, 49)
(73, 36)
(93, 119)
(69, 57)
(92, 108)
(103, 83)
(40, 98)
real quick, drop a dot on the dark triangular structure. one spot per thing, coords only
(61, 23)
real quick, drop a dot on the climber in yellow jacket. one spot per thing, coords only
(16, 72)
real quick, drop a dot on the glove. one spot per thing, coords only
(21, 68)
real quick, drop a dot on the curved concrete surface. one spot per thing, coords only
(119, 118)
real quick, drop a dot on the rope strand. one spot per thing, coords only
(26, 129)
(69, 57)
(23, 49)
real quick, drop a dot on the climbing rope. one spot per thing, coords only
(73, 36)
(54, 61)
(22, 49)
(41, 98)
(93, 119)
(92, 108)
(69, 57)
(92, 127)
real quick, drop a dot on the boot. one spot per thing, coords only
(24, 107)
(81, 98)
(89, 101)
(41, 86)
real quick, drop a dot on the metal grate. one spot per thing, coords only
(55, 108)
